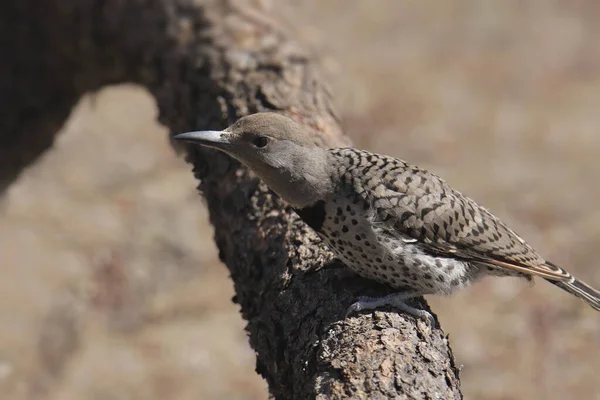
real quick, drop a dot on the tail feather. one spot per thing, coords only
(581, 290)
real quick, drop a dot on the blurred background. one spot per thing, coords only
(111, 285)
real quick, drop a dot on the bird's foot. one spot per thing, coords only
(396, 300)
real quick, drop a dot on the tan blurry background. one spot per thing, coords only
(111, 288)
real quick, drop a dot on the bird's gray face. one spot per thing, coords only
(278, 150)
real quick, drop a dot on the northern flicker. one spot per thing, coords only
(384, 218)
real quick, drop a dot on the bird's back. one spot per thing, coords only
(412, 202)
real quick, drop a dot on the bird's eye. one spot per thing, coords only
(260, 141)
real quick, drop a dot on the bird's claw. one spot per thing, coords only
(396, 301)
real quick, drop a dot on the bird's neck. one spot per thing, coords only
(303, 180)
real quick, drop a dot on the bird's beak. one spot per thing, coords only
(214, 139)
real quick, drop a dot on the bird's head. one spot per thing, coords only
(279, 150)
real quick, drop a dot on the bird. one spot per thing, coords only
(384, 218)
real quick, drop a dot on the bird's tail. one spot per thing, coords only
(581, 290)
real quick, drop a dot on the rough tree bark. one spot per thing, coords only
(207, 63)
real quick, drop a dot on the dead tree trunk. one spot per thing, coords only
(207, 63)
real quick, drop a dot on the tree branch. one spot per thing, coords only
(207, 64)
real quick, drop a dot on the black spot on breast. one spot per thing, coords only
(313, 216)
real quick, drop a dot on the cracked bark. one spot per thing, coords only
(207, 63)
